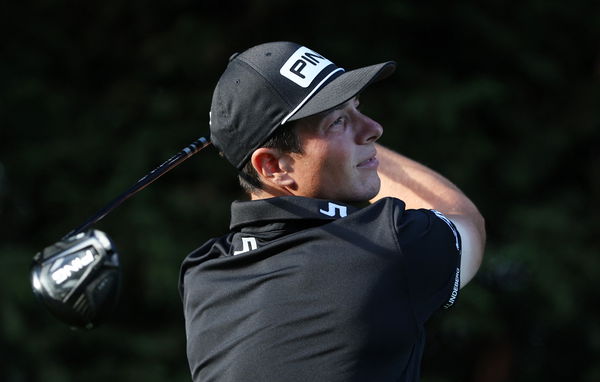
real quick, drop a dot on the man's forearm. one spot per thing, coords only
(419, 186)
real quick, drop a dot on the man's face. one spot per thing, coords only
(338, 160)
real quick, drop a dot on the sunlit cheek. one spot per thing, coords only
(309, 176)
(327, 168)
(337, 172)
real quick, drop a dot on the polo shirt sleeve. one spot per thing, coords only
(430, 246)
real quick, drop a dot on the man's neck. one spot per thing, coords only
(270, 192)
(261, 194)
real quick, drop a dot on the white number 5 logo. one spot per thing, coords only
(333, 208)
(248, 244)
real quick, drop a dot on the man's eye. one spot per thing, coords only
(338, 121)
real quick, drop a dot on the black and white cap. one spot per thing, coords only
(274, 83)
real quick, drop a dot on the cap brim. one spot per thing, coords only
(343, 88)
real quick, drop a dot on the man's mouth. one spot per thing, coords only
(372, 162)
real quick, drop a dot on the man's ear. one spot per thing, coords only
(273, 167)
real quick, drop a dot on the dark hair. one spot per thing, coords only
(284, 139)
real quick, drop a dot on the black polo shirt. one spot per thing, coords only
(312, 290)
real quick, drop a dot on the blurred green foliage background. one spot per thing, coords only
(502, 97)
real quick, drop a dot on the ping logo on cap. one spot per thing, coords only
(304, 66)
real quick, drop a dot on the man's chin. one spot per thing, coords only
(364, 196)
(374, 189)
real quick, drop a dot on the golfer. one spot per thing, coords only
(344, 250)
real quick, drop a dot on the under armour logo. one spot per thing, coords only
(248, 244)
(333, 208)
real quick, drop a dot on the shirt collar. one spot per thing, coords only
(285, 208)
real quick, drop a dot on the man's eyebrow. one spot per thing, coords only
(343, 105)
(340, 106)
(325, 113)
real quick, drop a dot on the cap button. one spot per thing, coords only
(233, 56)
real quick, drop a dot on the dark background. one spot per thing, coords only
(502, 97)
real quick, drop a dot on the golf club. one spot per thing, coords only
(77, 278)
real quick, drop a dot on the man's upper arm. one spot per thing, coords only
(472, 233)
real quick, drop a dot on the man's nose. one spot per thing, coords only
(369, 130)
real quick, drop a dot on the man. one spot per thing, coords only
(313, 283)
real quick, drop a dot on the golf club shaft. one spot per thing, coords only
(149, 178)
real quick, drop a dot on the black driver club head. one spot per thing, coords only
(78, 278)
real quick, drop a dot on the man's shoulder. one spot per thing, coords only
(208, 250)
